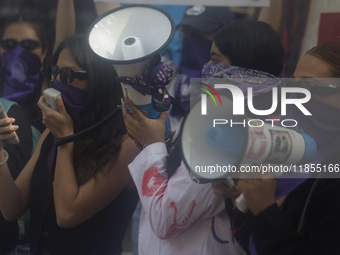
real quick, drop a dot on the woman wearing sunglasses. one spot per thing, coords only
(306, 221)
(80, 194)
(23, 49)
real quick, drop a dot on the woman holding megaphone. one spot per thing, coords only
(80, 194)
(305, 221)
(180, 216)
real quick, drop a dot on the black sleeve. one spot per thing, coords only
(274, 235)
(19, 154)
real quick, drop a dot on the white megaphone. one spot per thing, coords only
(214, 151)
(128, 37)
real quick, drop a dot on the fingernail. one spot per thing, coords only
(11, 120)
(15, 127)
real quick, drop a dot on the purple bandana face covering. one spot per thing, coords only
(195, 53)
(22, 74)
(74, 100)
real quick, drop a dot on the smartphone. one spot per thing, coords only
(3, 115)
(51, 95)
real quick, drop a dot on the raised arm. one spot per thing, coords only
(172, 205)
(272, 14)
(15, 196)
(65, 21)
(76, 203)
(104, 6)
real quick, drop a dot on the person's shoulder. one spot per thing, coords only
(17, 110)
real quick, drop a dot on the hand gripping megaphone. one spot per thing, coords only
(213, 146)
(129, 37)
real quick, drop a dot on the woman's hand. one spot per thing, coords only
(222, 189)
(59, 123)
(258, 192)
(141, 128)
(5, 127)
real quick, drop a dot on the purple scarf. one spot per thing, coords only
(22, 74)
(152, 82)
(195, 53)
(74, 100)
(323, 126)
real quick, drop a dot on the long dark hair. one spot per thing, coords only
(92, 154)
(249, 44)
(35, 23)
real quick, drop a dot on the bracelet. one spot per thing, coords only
(5, 159)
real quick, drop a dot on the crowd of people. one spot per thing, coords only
(80, 196)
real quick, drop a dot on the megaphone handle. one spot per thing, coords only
(241, 204)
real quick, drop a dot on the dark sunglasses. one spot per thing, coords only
(67, 74)
(11, 44)
(323, 90)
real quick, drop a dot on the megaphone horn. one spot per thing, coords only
(212, 152)
(128, 37)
